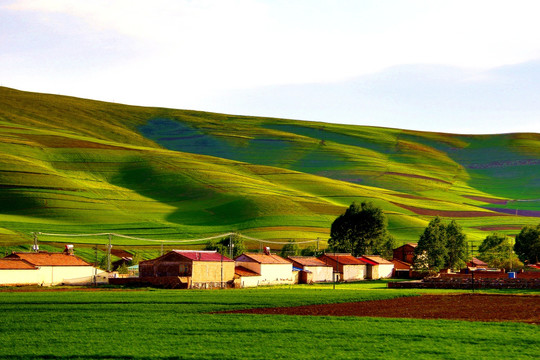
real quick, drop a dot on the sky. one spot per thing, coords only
(447, 66)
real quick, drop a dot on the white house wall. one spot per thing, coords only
(49, 275)
(19, 277)
(386, 270)
(73, 275)
(250, 281)
(273, 274)
(354, 272)
(320, 273)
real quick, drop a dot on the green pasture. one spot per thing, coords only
(161, 324)
(70, 165)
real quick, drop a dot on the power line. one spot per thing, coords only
(179, 241)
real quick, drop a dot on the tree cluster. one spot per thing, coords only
(527, 246)
(441, 246)
(496, 250)
(232, 244)
(361, 230)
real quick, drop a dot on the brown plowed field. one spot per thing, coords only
(448, 213)
(518, 308)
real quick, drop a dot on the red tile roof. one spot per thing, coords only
(15, 264)
(344, 259)
(307, 261)
(375, 259)
(266, 259)
(476, 262)
(242, 271)
(401, 265)
(196, 255)
(44, 258)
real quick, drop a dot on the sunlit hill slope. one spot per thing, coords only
(70, 165)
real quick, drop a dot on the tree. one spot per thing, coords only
(136, 259)
(387, 248)
(230, 244)
(289, 249)
(360, 230)
(431, 249)
(456, 246)
(527, 246)
(309, 251)
(496, 250)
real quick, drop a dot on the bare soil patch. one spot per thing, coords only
(448, 213)
(470, 307)
(487, 199)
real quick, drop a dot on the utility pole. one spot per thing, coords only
(221, 252)
(35, 248)
(109, 253)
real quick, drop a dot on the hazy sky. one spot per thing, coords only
(453, 66)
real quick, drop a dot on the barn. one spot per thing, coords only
(272, 268)
(347, 266)
(320, 271)
(405, 252)
(193, 269)
(377, 267)
(51, 269)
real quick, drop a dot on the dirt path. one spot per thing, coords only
(469, 307)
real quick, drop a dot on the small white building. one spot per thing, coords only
(47, 269)
(377, 267)
(320, 272)
(244, 277)
(271, 268)
(346, 266)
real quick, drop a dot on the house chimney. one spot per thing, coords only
(68, 250)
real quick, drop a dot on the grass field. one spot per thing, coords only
(163, 324)
(71, 165)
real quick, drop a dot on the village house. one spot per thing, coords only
(475, 264)
(47, 269)
(377, 267)
(405, 252)
(346, 266)
(188, 269)
(271, 268)
(244, 277)
(17, 272)
(313, 269)
(402, 270)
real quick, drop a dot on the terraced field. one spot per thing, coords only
(71, 165)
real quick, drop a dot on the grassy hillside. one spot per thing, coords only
(71, 165)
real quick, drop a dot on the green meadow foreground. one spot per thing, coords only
(161, 324)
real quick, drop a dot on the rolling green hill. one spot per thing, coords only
(70, 165)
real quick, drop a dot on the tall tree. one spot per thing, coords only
(431, 249)
(360, 230)
(527, 246)
(497, 251)
(456, 246)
